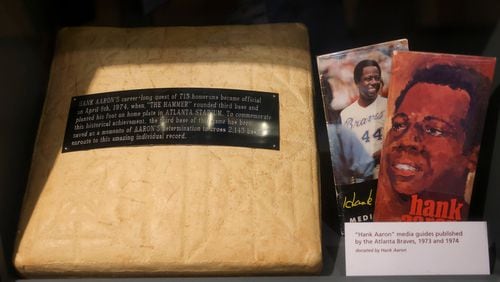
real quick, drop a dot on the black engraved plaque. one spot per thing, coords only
(196, 116)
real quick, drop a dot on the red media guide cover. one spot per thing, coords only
(435, 115)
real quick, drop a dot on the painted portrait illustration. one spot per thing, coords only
(436, 109)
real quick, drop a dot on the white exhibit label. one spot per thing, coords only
(416, 248)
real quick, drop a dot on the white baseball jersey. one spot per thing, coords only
(367, 123)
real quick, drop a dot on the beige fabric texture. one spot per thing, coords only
(175, 209)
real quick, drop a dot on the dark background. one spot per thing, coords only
(28, 29)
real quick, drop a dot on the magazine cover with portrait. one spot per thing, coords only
(354, 86)
(436, 109)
